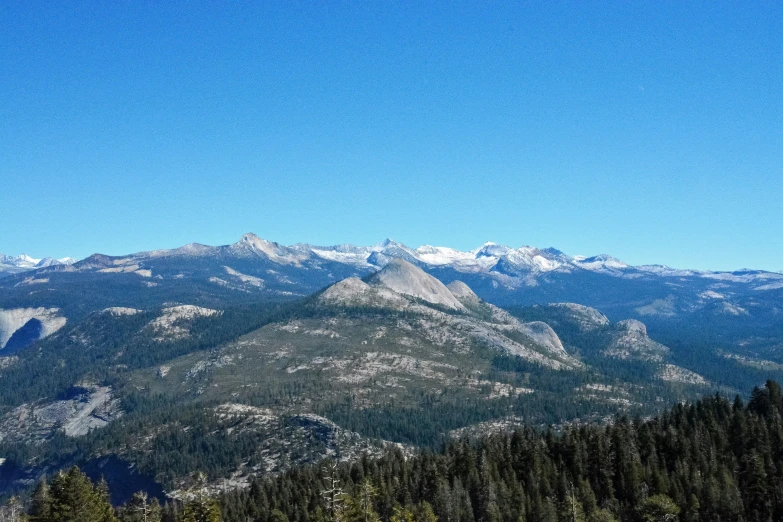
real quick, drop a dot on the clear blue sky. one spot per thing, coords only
(652, 131)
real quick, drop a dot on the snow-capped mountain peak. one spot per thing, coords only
(433, 255)
(24, 258)
(25, 262)
(600, 262)
(509, 266)
(490, 249)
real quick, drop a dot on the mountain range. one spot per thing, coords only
(23, 262)
(729, 305)
(489, 258)
(248, 358)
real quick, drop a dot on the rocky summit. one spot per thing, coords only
(276, 356)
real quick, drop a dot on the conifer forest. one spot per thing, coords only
(713, 460)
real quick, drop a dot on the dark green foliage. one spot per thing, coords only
(141, 509)
(104, 348)
(72, 497)
(711, 461)
(697, 345)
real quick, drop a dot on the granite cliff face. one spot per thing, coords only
(87, 407)
(49, 321)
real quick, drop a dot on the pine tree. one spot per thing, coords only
(601, 515)
(333, 494)
(659, 508)
(141, 509)
(12, 510)
(365, 500)
(277, 516)
(402, 514)
(74, 498)
(200, 507)
(423, 512)
(39, 503)
(206, 511)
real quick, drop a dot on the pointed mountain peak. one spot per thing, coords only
(270, 249)
(405, 278)
(390, 244)
(253, 240)
(490, 249)
(47, 261)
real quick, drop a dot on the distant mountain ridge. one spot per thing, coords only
(24, 262)
(386, 343)
(734, 304)
(489, 258)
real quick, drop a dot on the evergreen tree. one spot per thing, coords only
(200, 507)
(601, 515)
(74, 498)
(659, 508)
(12, 511)
(206, 511)
(141, 509)
(39, 502)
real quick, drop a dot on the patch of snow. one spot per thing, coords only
(770, 286)
(663, 270)
(438, 256)
(599, 263)
(349, 258)
(121, 310)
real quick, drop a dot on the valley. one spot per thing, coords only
(247, 360)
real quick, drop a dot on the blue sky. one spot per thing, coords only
(652, 131)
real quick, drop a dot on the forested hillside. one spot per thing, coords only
(250, 391)
(710, 461)
(713, 460)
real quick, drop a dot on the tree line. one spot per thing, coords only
(714, 460)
